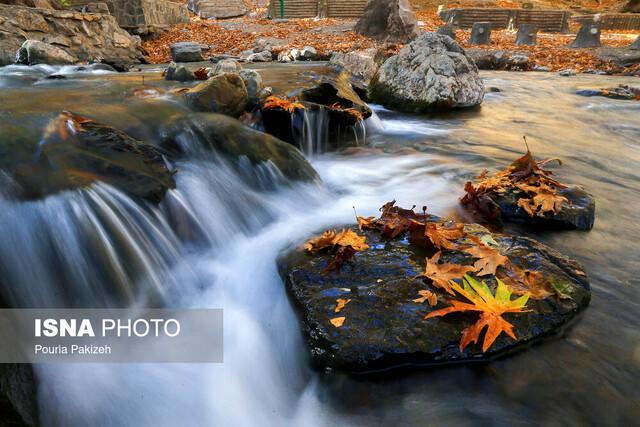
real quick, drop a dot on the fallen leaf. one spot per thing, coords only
(337, 321)
(426, 295)
(491, 307)
(343, 254)
(526, 282)
(341, 302)
(442, 274)
(562, 290)
(489, 259)
(442, 236)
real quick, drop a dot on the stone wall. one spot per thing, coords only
(143, 16)
(88, 36)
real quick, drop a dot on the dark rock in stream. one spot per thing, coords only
(385, 328)
(579, 213)
(76, 152)
(231, 138)
(179, 73)
(34, 52)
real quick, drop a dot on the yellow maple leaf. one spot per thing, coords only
(337, 321)
(491, 307)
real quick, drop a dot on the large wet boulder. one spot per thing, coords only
(89, 37)
(76, 152)
(432, 73)
(239, 143)
(390, 21)
(33, 52)
(223, 93)
(255, 88)
(578, 213)
(384, 327)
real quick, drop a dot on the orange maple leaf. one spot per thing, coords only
(491, 307)
(489, 259)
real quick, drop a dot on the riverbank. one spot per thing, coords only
(232, 36)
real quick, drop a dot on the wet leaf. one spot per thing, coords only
(442, 274)
(489, 259)
(343, 254)
(491, 308)
(337, 321)
(562, 290)
(341, 303)
(426, 295)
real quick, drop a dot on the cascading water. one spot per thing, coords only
(315, 131)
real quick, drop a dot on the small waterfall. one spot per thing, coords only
(315, 131)
(374, 123)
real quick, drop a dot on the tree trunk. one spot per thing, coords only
(527, 35)
(481, 33)
(588, 36)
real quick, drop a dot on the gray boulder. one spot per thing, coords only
(308, 53)
(388, 21)
(186, 52)
(255, 89)
(636, 44)
(226, 66)
(432, 73)
(264, 56)
(361, 63)
(489, 59)
(34, 52)
(179, 73)
(224, 93)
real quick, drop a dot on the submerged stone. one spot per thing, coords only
(384, 328)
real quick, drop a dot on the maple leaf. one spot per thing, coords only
(273, 102)
(489, 259)
(326, 240)
(442, 236)
(341, 303)
(442, 274)
(491, 307)
(366, 223)
(524, 282)
(337, 321)
(343, 254)
(201, 73)
(330, 238)
(395, 221)
(426, 295)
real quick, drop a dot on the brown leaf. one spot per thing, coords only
(489, 259)
(343, 254)
(426, 295)
(442, 274)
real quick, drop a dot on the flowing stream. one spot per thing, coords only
(214, 240)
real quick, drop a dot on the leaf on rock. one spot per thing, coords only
(426, 295)
(337, 321)
(201, 73)
(273, 102)
(442, 237)
(489, 259)
(330, 238)
(343, 254)
(326, 240)
(491, 307)
(367, 223)
(563, 290)
(341, 302)
(526, 282)
(442, 274)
